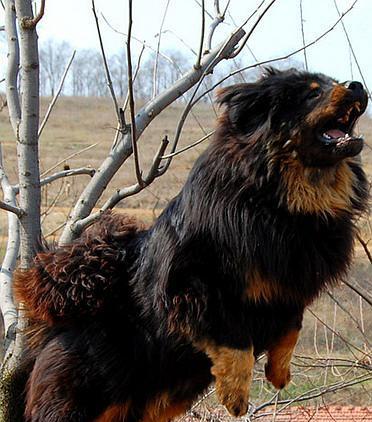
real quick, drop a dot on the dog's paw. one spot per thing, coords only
(235, 401)
(279, 378)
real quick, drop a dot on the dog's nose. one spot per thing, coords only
(355, 86)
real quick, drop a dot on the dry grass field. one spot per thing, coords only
(338, 331)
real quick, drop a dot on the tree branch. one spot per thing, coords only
(121, 194)
(56, 96)
(8, 207)
(202, 34)
(248, 35)
(123, 149)
(28, 22)
(12, 66)
(120, 116)
(303, 35)
(155, 71)
(133, 130)
(276, 59)
(7, 306)
(365, 247)
(74, 154)
(67, 173)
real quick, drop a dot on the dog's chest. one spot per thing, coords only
(295, 259)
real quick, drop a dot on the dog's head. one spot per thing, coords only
(310, 115)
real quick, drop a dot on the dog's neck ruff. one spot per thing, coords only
(323, 192)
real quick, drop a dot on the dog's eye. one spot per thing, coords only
(314, 93)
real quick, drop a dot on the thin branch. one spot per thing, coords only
(67, 173)
(11, 208)
(28, 22)
(120, 116)
(133, 128)
(279, 58)
(199, 141)
(138, 66)
(352, 51)
(68, 158)
(347, 343)
(246, 38)
(218, 19)
(56, 96)
(365, 247)
(144, 43)
(55, 230)
(155, 71)
(358, 291)
(121, 194)
(202, 34)
(303, 35)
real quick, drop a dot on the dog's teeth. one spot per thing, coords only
(325, 135)
(294, 154)
(287, 143)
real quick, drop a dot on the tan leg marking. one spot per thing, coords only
(279, 358)
(232, 369)
(116, 413)
(162, 409)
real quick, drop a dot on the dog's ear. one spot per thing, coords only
(247, 106)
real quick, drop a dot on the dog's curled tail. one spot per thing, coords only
(85, 278)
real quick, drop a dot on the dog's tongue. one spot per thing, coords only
(335, 133)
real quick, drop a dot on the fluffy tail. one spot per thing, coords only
(84, 278)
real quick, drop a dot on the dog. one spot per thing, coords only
(133, 324)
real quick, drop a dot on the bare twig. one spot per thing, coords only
(248, 35)
(218, 19)
(67, 173)
(347, 343)
(138, 66)
(11, 208)
(352, 51)
(199, 141)
(12, 66)
(365, 247)
(358, 291)
(133, 128)
(155, 71)
(56, 96)
(202, 34)
(120, 116)
(303, 35)
(28, 22)
(121, 194)
(68, 158)
(279, 58)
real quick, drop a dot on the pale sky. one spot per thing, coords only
(279, 32)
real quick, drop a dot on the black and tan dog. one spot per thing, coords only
(133, 324)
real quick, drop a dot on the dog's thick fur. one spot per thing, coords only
(132, 324)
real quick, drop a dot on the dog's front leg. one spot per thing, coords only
(232, 369)
(279, 356)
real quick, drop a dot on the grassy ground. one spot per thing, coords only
(341, 331)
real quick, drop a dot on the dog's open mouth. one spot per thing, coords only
(339, 134)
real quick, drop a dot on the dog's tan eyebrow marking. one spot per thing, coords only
(314, 85)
